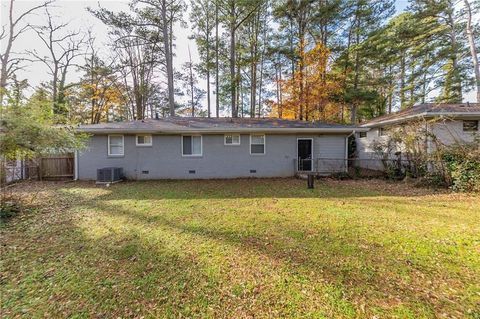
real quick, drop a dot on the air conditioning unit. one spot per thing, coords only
(109, 174)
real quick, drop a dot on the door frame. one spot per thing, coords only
(298, 163)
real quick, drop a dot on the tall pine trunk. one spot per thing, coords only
(233, 75)
(208, 62)
(217, 86)
(473, 49)
(168, 58)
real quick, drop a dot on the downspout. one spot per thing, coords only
(346, 150)
(75, 165)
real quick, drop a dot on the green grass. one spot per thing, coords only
(241, 248)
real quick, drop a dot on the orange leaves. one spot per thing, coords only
(309, 93)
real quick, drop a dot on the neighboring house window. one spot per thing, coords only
(191, 145)
(382, 131)
(232, 139)
(115, 145)
(257, 144)
(470, 126)
(144, 140)
(363, 134)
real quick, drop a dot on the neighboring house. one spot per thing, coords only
(179, 148)
(449, 123)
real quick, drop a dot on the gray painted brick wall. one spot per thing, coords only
(164, 160)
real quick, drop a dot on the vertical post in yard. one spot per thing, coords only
(40, 169)
(310, 181)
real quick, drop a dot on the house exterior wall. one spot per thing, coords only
(330, 152)
(451, 131)
(164, 160)
(447, 133)
(365, 149)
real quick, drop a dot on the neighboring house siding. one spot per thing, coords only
(447, 132)
(163, 160)
(451, 131)
(365, 150)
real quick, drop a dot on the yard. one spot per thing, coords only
(241, 249)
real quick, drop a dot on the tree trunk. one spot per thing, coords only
(191, 83)
(402, 81)
(168, 58)
(208, 62)
(217, 106)
(233, 76)
(473, 49)
(456, 85)
(353, 115)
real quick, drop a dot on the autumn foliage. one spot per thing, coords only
(310, 93)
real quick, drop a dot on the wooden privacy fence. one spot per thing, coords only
(56, 167)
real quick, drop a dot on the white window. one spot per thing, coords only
(257, 144)
(191, 145)
(144, 140)
(115, 145)
(382, 131)
(363, 134)
(232, 139)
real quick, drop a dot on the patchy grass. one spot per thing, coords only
(242, 248)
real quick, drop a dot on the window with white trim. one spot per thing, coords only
(232, 139)
(363, 134)
(257, 144)
(382, 131)
(470, 126)
(115, 145)
(144, 140)
(191, 145)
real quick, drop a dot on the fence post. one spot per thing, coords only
(40, 169)
(310, 181)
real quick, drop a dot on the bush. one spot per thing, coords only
(8, 209)
(463, 164)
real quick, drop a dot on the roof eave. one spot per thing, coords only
(223, 130)
(423, 115)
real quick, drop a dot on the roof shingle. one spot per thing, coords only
(172, 124)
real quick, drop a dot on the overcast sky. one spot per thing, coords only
(75, 12)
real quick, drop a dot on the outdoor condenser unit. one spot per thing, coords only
(109, 174)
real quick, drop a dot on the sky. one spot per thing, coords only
(74, 11)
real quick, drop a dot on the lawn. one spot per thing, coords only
(241, 249)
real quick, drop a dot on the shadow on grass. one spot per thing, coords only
(56, 270)
(69, 271)
(360, 270)
(259, 188)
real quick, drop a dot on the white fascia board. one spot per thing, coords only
(424, 115)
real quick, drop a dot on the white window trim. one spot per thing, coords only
(141, 145)
(201, 146)
(360, 135)
(123, 146)
(264, 145)
(232, 144)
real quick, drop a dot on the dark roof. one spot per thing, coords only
(203, 124)
(427, 110)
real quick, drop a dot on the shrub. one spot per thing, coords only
(8, 209)
(463, 164)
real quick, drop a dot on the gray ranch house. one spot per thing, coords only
(449, 123)
(202, 148)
